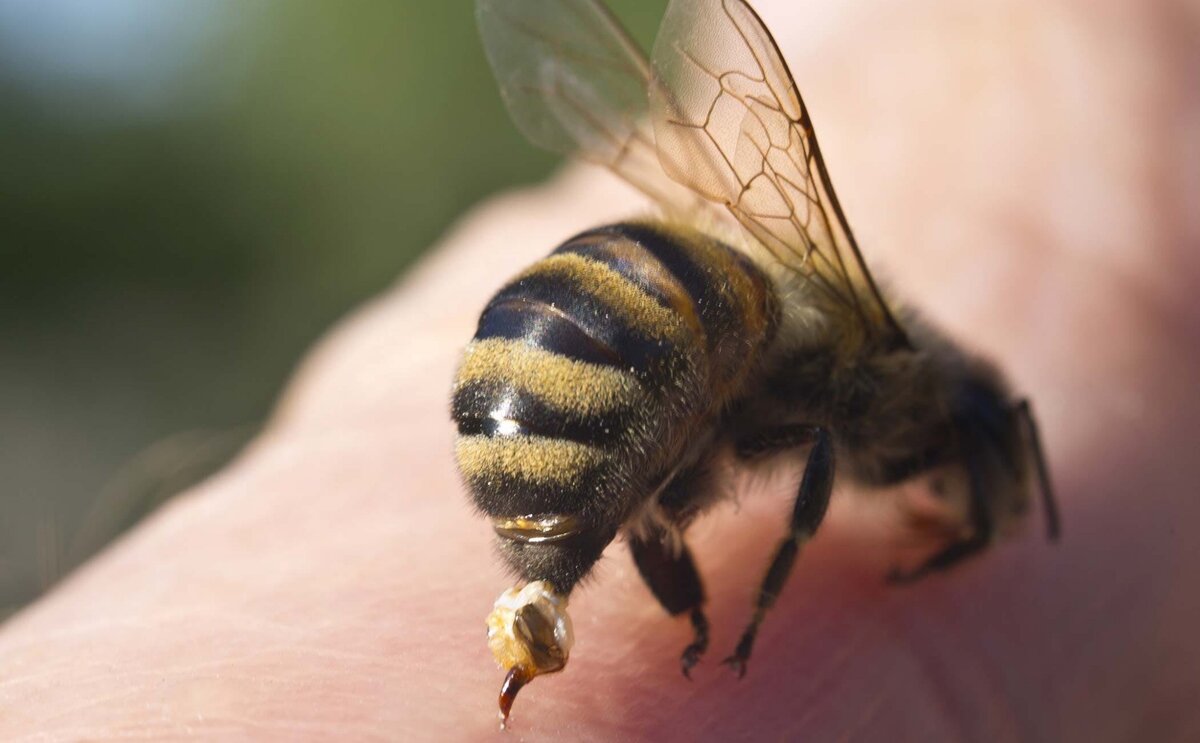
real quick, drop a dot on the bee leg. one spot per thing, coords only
(672, 577)
(807, 513)
(1034, 442)
(982, 528)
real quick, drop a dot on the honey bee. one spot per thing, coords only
(605, 380)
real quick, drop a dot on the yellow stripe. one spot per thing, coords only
(653, 272)
(742, 291)
(637, 308)
(563, 383)
(530, 458)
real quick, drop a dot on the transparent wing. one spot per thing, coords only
(729, 124)
(576, 83)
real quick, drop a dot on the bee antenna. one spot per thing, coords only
(1049, 504)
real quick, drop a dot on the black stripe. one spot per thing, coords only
(489, 427)
(499, 494)
(545, 327)
(636, 351)
(475, 405)
(698, 280)
(594, 246)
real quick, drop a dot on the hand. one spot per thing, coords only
(1025, 172)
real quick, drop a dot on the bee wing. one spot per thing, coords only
(729, 123)
(574, 82)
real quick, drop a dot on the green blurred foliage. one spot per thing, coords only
(162, 270)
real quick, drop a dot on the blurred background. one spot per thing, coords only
(191, 193)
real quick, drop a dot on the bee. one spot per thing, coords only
(606, 380)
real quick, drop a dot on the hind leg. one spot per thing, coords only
(671, 574)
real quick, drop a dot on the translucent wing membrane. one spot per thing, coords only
(575, 83)
(730, 124)
(718, 112)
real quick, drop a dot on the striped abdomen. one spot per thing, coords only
(592, 369)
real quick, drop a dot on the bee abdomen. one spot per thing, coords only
(587, 310)
(543, 325)
(588, 370)
(490, 408)
(727, 303)
(541, 432)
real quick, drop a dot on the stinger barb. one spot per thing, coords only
(513, 682)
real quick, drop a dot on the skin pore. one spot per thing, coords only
(1022, 171)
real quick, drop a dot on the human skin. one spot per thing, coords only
(1024, 172)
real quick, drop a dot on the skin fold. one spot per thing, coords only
(1025, 172)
